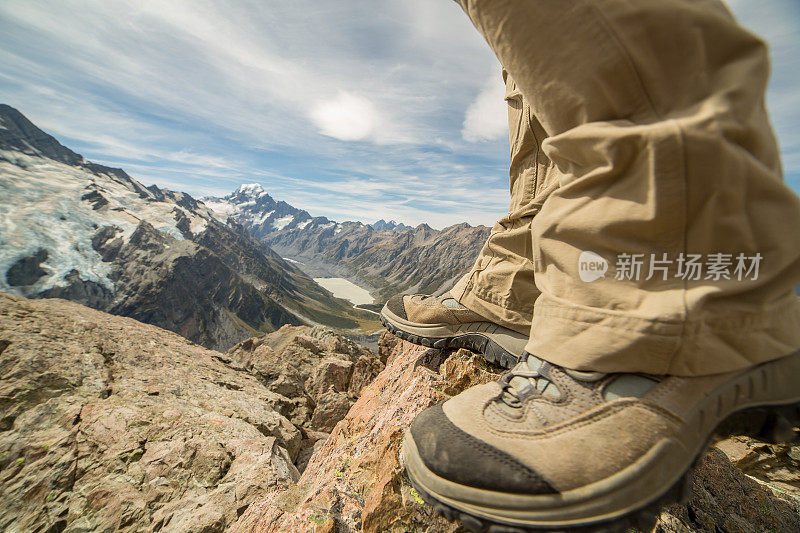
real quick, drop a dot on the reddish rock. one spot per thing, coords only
(355, 480)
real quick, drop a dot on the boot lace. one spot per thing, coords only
(523, 381)
(528, 379)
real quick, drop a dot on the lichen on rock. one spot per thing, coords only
(355, 481)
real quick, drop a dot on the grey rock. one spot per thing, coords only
(331, 407)
(113, 425)
(331, 373)
(27, 270)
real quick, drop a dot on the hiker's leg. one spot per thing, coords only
(491, 307)
(657, 130)
(500, 285)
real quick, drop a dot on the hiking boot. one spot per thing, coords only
(545, 447)
(442, 322)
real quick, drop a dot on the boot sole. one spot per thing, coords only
(631, 498)
(495, 343)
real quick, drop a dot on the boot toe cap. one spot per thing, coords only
(397, 306)
(453, 454)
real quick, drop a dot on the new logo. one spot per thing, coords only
(591, 266)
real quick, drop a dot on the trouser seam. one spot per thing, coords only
(648, 102)
(685, 219)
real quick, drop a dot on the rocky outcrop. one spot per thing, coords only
(108, 424)
(775, 465)
(723, 498)
(313, 376)
(354, 482)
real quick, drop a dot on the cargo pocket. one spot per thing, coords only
(525, 137)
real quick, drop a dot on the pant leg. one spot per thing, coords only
(657, 128)
(501, 284)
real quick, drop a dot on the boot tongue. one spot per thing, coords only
(522, 384)
(452, 303)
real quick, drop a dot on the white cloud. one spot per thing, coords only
(486, 118)
(347, 117)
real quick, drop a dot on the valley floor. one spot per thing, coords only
(343, 288)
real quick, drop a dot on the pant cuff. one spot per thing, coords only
(491, 306)
(595, 340)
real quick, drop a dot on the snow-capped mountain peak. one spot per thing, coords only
(251, 206)
(53, 201)
(390, 225)
(250, 188)
(248, 191)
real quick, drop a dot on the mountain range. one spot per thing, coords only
(254, 208)
(90, 233)
(384, 257)
(391, 224)
(215, 270)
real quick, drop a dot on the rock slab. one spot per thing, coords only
(108, 424)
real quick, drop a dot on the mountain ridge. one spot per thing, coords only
(93, 234)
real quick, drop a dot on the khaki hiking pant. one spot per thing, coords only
(650, 229)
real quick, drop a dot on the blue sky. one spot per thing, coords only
(354, 109)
